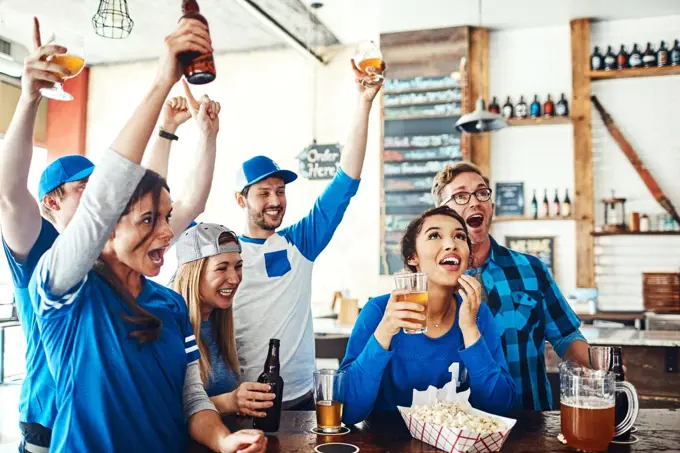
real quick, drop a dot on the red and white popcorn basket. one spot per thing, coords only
(454, 440)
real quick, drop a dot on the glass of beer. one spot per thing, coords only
(73, 60)
(416, 285)
(369, 60)
(329, 397)
(587, 406)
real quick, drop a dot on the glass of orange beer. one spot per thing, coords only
(416, 285)
(328, 396)
(73, 60)
(369, 60)
(587, 407)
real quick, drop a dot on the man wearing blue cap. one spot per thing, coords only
(274, 299)
(27, 236)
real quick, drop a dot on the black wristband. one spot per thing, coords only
(167, 135)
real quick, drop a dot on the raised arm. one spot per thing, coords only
(175, 112)
(194, 195)
(19, 212)
(112, 183)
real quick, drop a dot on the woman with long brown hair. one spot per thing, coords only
(208, 276)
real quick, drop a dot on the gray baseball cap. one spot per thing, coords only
(203, 241)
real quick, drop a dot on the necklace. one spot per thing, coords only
(446, 315)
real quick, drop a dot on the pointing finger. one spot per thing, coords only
(193, 103)
(36, 34)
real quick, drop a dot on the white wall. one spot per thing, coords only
(646, 111)
(266, 100)
(527, 62)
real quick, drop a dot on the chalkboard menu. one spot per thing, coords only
(509, 199)
(320, 161)
(542, 247)
(419, 140)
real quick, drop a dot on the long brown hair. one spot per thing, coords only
(187, 283)
(149, 326)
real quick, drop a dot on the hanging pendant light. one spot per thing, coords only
(112, 19)
(480, 120)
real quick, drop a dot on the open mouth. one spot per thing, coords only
(450, 262)
(156, 256)
(226, 292)
(475, 220)
(273, 212)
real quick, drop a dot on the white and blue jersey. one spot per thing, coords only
(274, 298)
(36, 404)
(114, 394)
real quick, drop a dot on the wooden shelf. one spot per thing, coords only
(423, 90)
(637, 233)
(411, 104)
(421, 117)
(612, 316)
(634, 72)
(543, 121)
(513, 218)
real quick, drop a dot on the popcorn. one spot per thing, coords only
(455, 415)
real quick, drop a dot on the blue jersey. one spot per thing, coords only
(223, 379)
(113, 393)
(36, 404)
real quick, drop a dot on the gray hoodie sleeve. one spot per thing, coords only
(74, 252)
(195, 398)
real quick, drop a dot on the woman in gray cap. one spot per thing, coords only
(208, 276)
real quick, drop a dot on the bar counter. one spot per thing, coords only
(657, 429)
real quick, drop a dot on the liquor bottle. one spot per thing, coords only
(494, 107)
(649, 57)
(675, 54)
(621, 403)
(198, 68)
(271, 376)
(662, 55)
(609, 59)
(508, 109)
(596, 60)
(534, 206)
(521, 110)
(622, 58)
(635, 58)
(556, 211)
(566, 205)
(562, 108)
(535, 108)
(549, 107)
(546, 204)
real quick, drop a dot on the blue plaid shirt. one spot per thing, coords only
(529, 309)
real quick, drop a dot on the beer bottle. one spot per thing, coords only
(662, 55)
(270, 375)
(596, 60)
(549, 107)
(635, 58)
(508, 110)
(622, 58)
(562, 108)
(198, 68)
(556, 205)
(609, 59)
(675, 54)
(621, 400)
(534, 206)
(521, 111)
(535, 107)
(649, 57)
(566, 205)
(494, 107)
(546, 204)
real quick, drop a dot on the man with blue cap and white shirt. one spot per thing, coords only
(26, 235)
(274, 298)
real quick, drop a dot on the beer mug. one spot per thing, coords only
(416, 285)
(329, 398)
(587, 406)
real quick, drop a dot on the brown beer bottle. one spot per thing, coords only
(271, 376)
(199, 68)
(549, 107)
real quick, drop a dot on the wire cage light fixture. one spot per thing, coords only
(112, 19)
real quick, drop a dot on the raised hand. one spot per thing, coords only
(39, 72)
(205, 112)
(251, 397)
(244, 441)
(190, 35)
(175, 113)
(471, 293)
(367, 91)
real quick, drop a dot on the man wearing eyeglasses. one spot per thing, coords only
(526, 303)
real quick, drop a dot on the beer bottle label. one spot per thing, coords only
(648, 59)
(663, 58)
(596, 63)
(561, 109)
(634, 60)
(507, 111)
(675, 57)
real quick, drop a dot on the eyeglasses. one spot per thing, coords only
(461, 198)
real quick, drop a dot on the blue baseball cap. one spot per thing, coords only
(259, 168)
(65, 169)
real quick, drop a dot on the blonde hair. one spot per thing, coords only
(45, 211)
(449, 173)
(188, 283)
